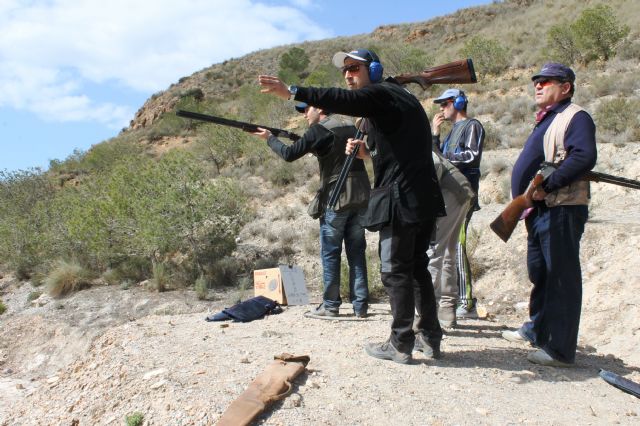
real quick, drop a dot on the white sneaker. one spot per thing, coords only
(514, 336)
(543, 358)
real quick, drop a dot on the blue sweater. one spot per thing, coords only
(580, 146)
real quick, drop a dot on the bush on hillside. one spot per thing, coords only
(325, 75)
(293, 63)
(595, 35)
(562, 44)
(489, 56)
(121, 218)
(617, 115)
(403, 58)
(27, 220)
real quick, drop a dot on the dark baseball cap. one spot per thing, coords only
(556, 71)
(362, 55)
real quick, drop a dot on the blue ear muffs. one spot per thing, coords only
(375, 71)
(460, 102)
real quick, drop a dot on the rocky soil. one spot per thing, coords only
(103, 353)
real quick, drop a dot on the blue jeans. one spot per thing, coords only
(334, 229)
(553, 263)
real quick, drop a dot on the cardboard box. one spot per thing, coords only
(284, 284)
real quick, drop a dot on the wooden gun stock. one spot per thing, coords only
(506, 222)
(461, 72)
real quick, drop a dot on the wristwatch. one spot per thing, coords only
(292, 91)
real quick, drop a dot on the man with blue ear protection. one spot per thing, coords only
(406, 197)
(463, 148)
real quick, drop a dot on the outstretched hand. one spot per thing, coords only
(273, 85)
(262, 133)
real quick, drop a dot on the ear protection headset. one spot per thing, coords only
(375, 69)
(460, 102)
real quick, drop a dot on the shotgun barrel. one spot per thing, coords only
(342, 178)
(247, 127)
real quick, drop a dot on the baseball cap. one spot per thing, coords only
(363, 55)
(556, 70)
(447, 94)
(300, 107)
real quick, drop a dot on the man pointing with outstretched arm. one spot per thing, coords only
(406, 198)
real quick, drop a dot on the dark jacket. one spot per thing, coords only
(399, 139)
(327, 141)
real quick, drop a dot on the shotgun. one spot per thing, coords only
(342, 178)
(506, 222)
(621, 383)
(460, 72)
(247, 127)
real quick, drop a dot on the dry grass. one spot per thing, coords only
(66, 277)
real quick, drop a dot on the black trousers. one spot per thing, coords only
(406, 278)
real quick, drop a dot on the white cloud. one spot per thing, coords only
(51, 50)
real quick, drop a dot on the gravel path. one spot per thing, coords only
(181, 370)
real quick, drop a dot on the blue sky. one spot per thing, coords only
(74, 72)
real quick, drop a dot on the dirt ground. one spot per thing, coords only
(103, 353)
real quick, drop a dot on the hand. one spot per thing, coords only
(438, 119)
(273, 85)
(539, 194)
(262, 133)
(351, 145)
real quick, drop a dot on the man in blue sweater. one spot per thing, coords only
(564, 134)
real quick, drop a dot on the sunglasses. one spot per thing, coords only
(544, 82)
(353, 68)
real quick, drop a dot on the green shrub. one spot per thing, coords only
(28, 224)
(201, 287)
(134, 419)
(225, 271)
(617, 115)
(492, 137)
(324, 75)
(562, 45)
(489, 56)
(376, 288)
(65, 278)
(160, 277)
(3, 307)
(596, 34)
(293, 62)
(33, 295)
(403, 58)
(281, 174)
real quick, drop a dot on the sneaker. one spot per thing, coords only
(361, 314)
(463, 313)
(321, 311)
(515, 336)
(447, 316)
(543, 358)
(385, 350)
(429, 350)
